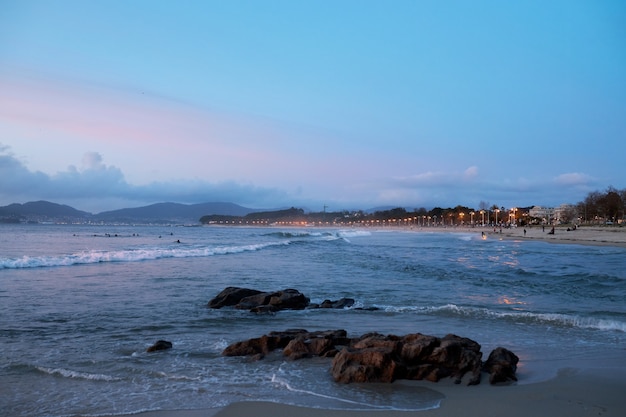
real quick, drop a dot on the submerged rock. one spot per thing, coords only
(160, 345)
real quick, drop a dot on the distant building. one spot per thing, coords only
(565, 213)
(546, 214)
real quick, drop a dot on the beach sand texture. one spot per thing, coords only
(573, 393)
(584, 235)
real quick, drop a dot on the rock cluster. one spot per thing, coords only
(271, 302)
(374, 357)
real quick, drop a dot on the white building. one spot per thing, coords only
(546, 214)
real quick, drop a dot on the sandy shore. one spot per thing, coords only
(573, 393)
(586, 235)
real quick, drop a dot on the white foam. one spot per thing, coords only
(129, 255)
(563, 320)
(67, 373)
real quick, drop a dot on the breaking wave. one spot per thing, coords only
(128, 255)
(67, 373)
(550, 319)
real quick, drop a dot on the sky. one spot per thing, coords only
(343, 104)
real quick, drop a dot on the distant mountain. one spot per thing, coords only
(172, 212)
(41, 211)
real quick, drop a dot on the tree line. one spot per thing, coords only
(597, 207)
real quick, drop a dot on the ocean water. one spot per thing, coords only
(79, 305)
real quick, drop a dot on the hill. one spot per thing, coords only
(45, 211)
(172, 212)
(39, 211)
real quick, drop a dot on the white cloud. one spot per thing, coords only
(573, 178)
(97, 182)
(471, 172)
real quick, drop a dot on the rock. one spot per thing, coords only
(370, 364)
(459, 355)
(375, 357)
(414, 356)
(160, 345)
(296, 344)
(288, 299)
(231, 296)
(270, 302)
(501, 365)
(316, 344)
(264, 309)
(341, 303)
(259, 346)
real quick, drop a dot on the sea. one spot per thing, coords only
(80, 304)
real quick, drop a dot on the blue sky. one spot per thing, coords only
(349, 104)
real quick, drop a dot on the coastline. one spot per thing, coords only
(580, 392)
(584, 235)
(572, 393)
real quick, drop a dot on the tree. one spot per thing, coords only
(612, 204)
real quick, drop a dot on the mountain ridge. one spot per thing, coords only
(168, 212)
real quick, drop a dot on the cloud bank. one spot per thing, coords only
(99, 187)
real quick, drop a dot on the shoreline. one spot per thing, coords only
(583, 235)
(572, 393)
(594, 389)
(589, 235)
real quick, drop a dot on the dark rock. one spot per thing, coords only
(414, 356)
(231, 296)
(160, 345)
(501, 365)
(341, 303)
(259, 346)
(296, 344)
(316, 344)
(416, 348)
(288, 299)
(370, 364)
(375, 357)
(264, 309)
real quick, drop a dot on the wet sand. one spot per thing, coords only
(573, 393)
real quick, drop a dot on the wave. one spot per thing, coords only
(179, 251)
(328, 235)
(67, 373)
(129, 255)
(554, 319)
(348, 404)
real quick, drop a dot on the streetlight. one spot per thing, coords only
(482, 213)
(462, 217)
(496, 211)
(471, 218)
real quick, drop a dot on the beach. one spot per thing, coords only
(584, 235)
(573, 393)
(559, 307)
